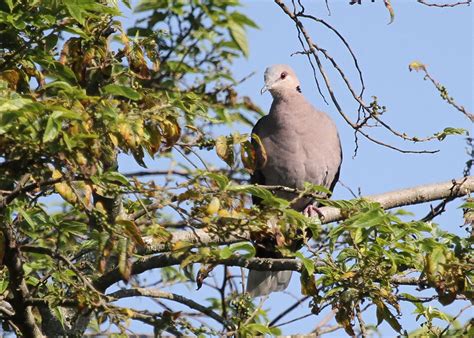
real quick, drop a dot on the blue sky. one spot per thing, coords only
(440, 38)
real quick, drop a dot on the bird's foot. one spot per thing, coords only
(312, 211)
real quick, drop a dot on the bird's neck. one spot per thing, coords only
(284, 95)
(287, 103)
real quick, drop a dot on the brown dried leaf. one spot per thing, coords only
(388, 5)
(132, 230)
(225, 150)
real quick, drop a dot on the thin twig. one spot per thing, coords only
(444, 5)
(288, 310)
(363, 329)
(454, 319)
(314, 49)
(126, 293)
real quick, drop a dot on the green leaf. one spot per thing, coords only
(367, 219)
(307, 263)
(308, 284)
(3, 285)
(80, 9)
(27, 218)
(244, 246)
(358, 235)
(414, 300)
(295, 216)
(225, 253)
(260, 328)
(9, 4)
(53, 127)
(58, 70)
(73, 227)
(58, 312)
(450, 131)
(115, 177)
(383, 313)
(237, 32)
(75, 10)
(221, 180)
(242, 19)
(251, 189)
(124, 91)
(309, 187)
(123, 262)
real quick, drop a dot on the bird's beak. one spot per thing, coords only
(264, 89)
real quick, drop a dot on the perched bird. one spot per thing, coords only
(301, 144)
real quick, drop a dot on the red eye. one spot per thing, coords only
(283, 75)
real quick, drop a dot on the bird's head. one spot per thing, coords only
(280, 79)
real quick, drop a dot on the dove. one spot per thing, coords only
(300, 144)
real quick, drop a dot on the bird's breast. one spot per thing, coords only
(296, 154)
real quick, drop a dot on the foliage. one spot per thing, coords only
(78, 90)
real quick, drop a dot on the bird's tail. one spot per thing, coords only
(262, 283)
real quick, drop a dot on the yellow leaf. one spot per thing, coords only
(223, 213)
(213, 206)
(88, 195)
(417, 66)
(81, 159)
(66, 192)
(171, 132)
(56, 174)
(114, 139)
(180, 245)
(348, 275)
(128, 312)
(127, 134)
(235, 214)
(99, 206)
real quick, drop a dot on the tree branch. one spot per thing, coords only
(198, 237)
(311, 48)
(411, 196)
(423, 2)
(126, 293)
(259, 264)
(23, 317)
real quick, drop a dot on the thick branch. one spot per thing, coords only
(259, 264)
(411, 196)
(421, 194)
(23, 316)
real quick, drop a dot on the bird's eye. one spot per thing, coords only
(283, 75)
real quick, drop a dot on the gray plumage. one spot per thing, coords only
(301, 145)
